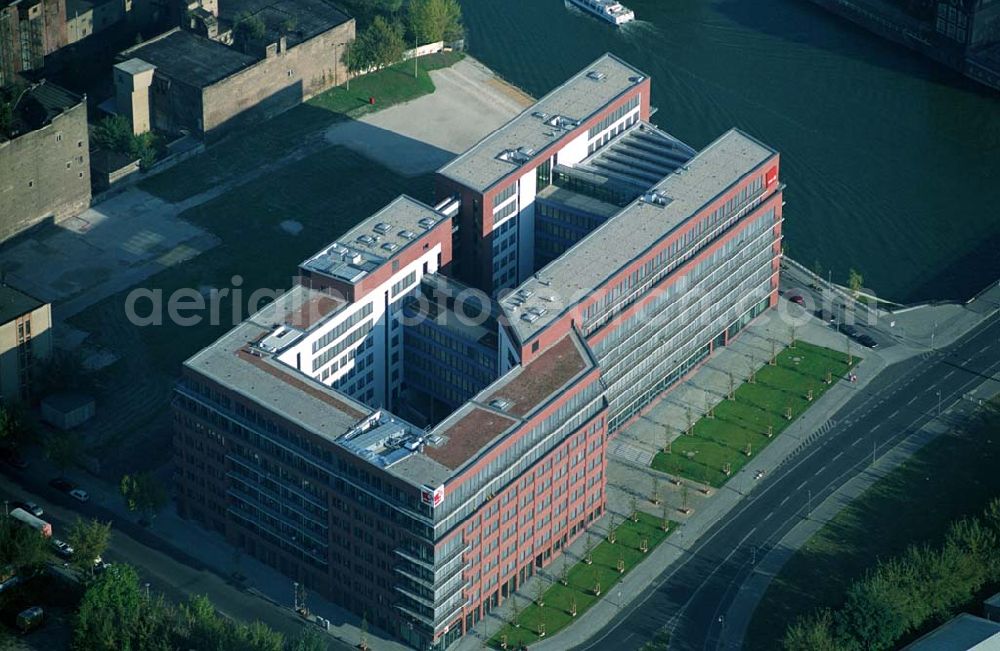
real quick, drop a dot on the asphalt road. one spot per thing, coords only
(689, 597)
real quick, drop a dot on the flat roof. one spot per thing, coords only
(962, 633)
(233, 362)
(14, 303)
(308, 18)
(375, 240)
(589, 263)
(190, 58)
(527, 387)
(577, 99)
(467, 434)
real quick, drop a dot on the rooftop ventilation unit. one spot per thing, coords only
(537, 311)
(426, 222)
(389, 246)
(656, 198)
(525, 294)
(367, 240)
(519, 156)
(352, 257)
(382, 228)
(529, 317)
(596, 75)
(502, 404)
(541, 115)
(408, 235)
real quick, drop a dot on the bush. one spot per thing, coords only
(114, 133)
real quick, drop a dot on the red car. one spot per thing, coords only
(797, 299)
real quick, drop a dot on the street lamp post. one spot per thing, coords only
(939, 402)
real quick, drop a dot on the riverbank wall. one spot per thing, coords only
(898, 27)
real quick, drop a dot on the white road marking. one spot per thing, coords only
(837, 456)
(856, 441)
(787, 497)
(801, 485)
(893, 414)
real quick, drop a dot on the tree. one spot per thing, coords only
(89, 540)
(855, 280)
(248, 29)
(381, 44)
(814, 633)
(114, 133)
(109, 611)
(64, 451)
(16, 426)
(22, 547)
(309, 640)
(143, 494)
(436, 20)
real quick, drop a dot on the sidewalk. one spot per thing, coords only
(952, 321)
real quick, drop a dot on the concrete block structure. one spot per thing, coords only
(44, 164)
(204, 85)
(414, 447)
(132, 80)
(25, 340)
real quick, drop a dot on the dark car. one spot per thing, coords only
(797, 299)
(848, 330)
(61, 484)
(826, 315)
(30, 507)
(867, 341)
(13, 458)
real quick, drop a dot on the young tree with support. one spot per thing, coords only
(588, 550)
(612, 530)
(655, 493)
(633, 505)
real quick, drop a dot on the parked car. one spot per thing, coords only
(13, 458)
(797, 299)
(62, 548)
(826, 315)
(848, 330)
(30, 507)
(30, 618)
(61, 484)
(79, 494)
(867, 341)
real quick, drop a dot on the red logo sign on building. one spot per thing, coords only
(433, 496)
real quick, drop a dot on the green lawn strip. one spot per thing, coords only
(722, 440)
(951, 477)
(243, 151)
(581, 580)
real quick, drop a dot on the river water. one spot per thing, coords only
(892, 162)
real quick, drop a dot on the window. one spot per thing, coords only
(534, 347)
(59, 136)
(31, 184)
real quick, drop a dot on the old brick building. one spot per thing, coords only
(29, 30)
(44, 165)
(205, 85)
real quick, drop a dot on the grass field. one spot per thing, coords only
(951, 477)
(240, 153)
(777, 391)
(581, 580)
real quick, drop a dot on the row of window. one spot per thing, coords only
(613, 117)
(347, 324)
(351, 339)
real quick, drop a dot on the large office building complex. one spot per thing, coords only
(420, 423)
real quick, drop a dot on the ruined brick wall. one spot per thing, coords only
(45, 174)
(278, 82)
